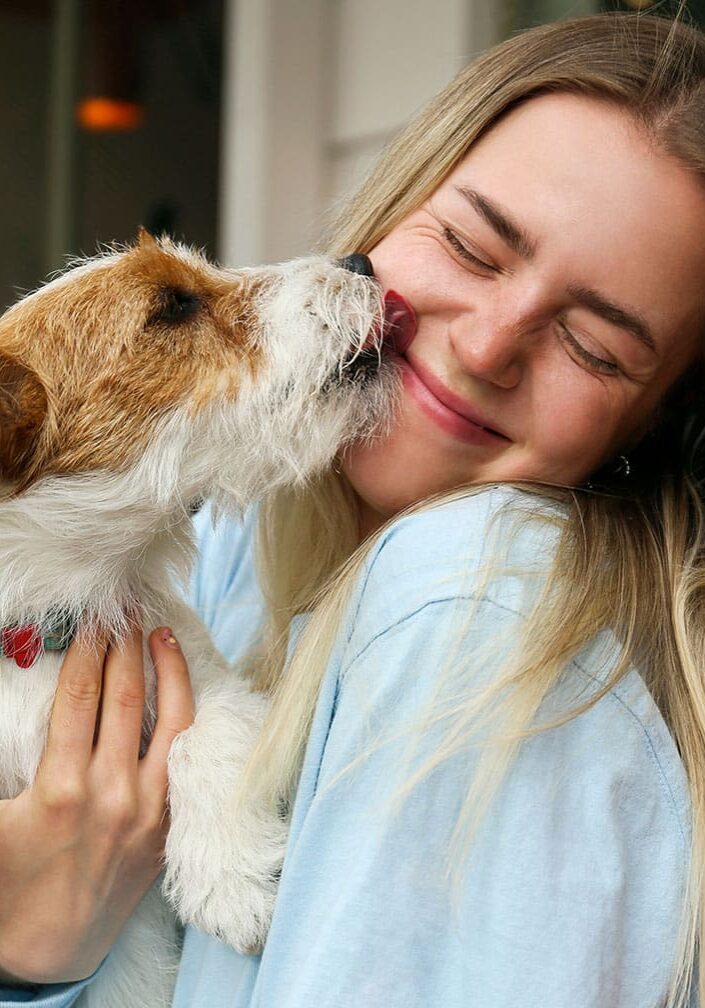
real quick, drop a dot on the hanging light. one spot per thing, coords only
(111, 89)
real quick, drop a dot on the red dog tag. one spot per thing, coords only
(24, 644)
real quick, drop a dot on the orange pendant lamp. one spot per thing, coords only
(111, 99)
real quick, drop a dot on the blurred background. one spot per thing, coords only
(236, 125)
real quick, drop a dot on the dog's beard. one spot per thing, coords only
(326, 381)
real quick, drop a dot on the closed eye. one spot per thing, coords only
(174, 305)
(598, 364)
(465, 253)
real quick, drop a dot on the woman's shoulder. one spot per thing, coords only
(629, 731)
(456, 582)
(588, 834)
(496, 543)
(463, 522)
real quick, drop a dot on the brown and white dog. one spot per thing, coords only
(129, 386)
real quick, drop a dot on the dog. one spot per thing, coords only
(135, 383)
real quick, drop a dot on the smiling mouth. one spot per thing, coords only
(447, 410)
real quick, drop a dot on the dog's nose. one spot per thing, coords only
(357, 263)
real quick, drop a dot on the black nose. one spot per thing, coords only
(357, 263)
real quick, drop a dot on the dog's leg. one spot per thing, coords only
(223, 853)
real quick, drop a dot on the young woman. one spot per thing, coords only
(489, 715)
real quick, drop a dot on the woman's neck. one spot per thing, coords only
(369, 520)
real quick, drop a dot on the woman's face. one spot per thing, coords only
(557, 279)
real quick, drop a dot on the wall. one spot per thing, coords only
(313, 91)
(388, 59)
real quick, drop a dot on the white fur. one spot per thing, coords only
(94, 543)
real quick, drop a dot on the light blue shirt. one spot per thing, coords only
(572, 892)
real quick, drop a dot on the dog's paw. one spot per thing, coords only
(238, 915)
(231, 905)
(223, 852)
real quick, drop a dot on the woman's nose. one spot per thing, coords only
(492, 349)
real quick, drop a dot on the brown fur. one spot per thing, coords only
(23, 408)
(90, 363)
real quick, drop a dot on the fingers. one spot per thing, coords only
(76, 701)
(122, 710)
(175, 709)
(96, 678)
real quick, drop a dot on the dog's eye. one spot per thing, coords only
(174, 305)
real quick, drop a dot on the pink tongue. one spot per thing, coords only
(399, 322)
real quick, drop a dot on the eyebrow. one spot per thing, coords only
(521, 242)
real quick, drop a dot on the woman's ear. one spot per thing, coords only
(23, 410)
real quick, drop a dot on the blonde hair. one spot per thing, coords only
(610, 545)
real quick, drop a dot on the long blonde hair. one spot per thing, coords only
(610, 545)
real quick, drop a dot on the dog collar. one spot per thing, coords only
(24, 644)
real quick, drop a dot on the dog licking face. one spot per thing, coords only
(223, 368)
(146, 378)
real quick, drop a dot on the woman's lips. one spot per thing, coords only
(443, 407)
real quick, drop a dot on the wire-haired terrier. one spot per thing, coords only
(130, 386)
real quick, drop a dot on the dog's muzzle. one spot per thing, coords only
(398, 330)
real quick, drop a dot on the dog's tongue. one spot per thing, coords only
(399, 322)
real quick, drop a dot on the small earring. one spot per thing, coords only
(622, 467)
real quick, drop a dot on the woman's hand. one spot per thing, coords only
(81, 846)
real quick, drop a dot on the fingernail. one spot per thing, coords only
(168, 638)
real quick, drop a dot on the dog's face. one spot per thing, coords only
(274, 368)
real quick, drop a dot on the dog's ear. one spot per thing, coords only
(144, 238)
(23, 410)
